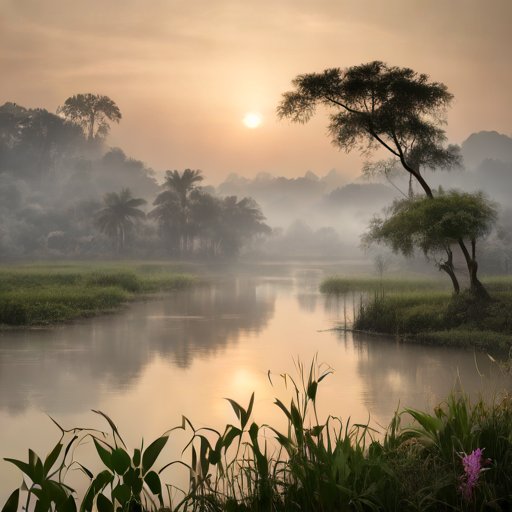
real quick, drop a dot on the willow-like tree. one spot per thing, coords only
(91, 112)
(118, 217)
(375, 106)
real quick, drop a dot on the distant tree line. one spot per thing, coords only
(64, 191)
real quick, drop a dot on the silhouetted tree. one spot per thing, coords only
(374, 106)
(240, 222)
(377, 106)
(117, 218)
(91, 111)
(45, 138)
(172, 205)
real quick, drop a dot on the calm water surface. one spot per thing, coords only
(158, 360)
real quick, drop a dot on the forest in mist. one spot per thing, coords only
(59, 183)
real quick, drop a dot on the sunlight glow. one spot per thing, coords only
(252, 120)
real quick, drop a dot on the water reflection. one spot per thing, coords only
(418, 376)
(74, 364)
(157, 360)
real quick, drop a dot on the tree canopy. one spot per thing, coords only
(433, 226)
(91, 112)
(374, 105)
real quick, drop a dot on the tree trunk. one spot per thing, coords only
(447, 266)
(476, 287)
(91, 126)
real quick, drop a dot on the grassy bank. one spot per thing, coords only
(46, 293)
(338, 285)
(457, 458)
(424, 311)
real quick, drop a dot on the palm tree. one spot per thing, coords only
(173, 205)
(118, 216)
(182, 184)
(241, 221)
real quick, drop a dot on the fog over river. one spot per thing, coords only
(157, 360)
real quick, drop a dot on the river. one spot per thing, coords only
(157, 360)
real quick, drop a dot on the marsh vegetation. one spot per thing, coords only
(424, 310)
(45, 293)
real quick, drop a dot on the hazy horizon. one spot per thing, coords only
(185, 75)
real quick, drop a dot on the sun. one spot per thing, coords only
(252, 120)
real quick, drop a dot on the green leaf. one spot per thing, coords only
(152, 452)
(42, 506)
(229, 435)
(11, 505)
(104, 454)
(283, 408)
(85, 470)
(214, 457)
(133, 479)
(312, 390)
(69, 505)
(203, 459)
(153, 481)
(53, 491)
(104, 504)
(247, 415)
(296, 417)
(51, 458)
(97, 485)
(122, 494)
(112, 425)
(136, 457)
(37, 467)
(238, 410)
(322, 377)
(120, 461)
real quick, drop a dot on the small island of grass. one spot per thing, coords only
(424, 310)
(46, 293)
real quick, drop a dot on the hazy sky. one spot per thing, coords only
(185, 72)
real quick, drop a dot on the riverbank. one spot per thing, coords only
(46, 293)
(425, 311)
(456, 458)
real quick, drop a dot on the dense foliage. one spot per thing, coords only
(434, 226)
(64, 192)
(458, 458)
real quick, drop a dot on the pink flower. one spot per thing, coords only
(472, 469)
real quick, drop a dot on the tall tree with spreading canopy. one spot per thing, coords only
(91, 112)
(118, 217)
(377, 106)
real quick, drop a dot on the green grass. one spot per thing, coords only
(343, 284)
(312, 465)
(426, 311)
(46, 293)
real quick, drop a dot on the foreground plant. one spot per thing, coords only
(473, 466)
(312, 465)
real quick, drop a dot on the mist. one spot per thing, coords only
(53, 181)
